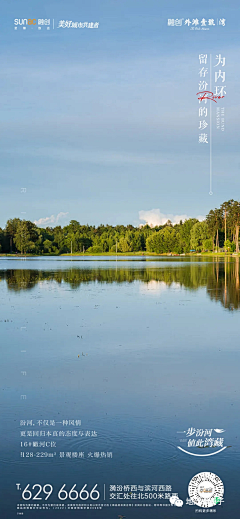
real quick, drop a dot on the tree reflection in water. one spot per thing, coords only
(220, 277)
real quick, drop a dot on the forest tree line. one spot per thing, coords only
(220, 230)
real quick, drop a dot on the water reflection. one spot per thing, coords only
(221, 278)
(138, 351)
(223, 285)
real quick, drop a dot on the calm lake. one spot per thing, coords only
(122, 357)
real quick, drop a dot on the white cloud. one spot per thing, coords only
(154, 217)
(50, 220)
(154, 287)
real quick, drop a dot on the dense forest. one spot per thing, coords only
(219, 231)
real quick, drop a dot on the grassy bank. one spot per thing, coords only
(119, 254)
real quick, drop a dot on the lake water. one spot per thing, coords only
(140, 350)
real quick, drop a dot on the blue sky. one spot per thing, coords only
(100, 125)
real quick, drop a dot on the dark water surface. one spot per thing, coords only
(139, 350)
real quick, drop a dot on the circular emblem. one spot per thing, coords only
(206, 489)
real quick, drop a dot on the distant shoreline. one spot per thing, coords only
(124, 254)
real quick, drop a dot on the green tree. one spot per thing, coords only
(25, 237)
(124, 245)
(199, 233)
(234, 214)
(229, 246)
(225, 208)
(10, 232)
(185, 234)
(207, 244)
(48, 245)
(214, 221)
(219, 223)
(164, 241)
